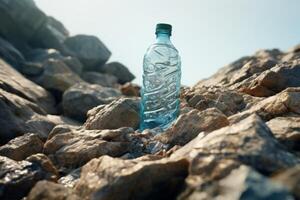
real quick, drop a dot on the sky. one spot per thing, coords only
(207, 33)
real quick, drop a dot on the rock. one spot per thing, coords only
(291, 179)
(57, 76)
(19, 29)
(19, 116)
(243, 68)
(248, 141)
(32, 28)
(74, 147)
(189, 125)
(74, 64)
(123, 112)
(242, 183)
(32, 69)
(104, 80)
(130, 89)
(41, 56)
(226, 100)
(114, 176)
(13, 82)
(46, 190)
(18, 177)
(82, 97)
(284, 103)
(21, 147)
(11, 55)
(286, 130)
(70, 179)
(43, 161)
(274, 80)
(118, 70)
(89, 50)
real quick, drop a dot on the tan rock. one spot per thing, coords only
(123, 112)
(74, 147)
(45, 190)
(286, 130)
(21, 147)
(190, 124)
(113, 178)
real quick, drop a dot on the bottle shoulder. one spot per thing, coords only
(161, 48)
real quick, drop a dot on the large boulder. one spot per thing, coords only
(114, 178)
(118, 70)
(82, 97)
(89, 50)
(72, 148)
(13, 82)
(123, 112)
(24, 25)
(18, 177)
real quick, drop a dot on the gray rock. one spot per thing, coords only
(118, 70)
(41, 56)
(32, 69)
(32, 28)
(18, 177)
(89, 50)
(142, 178)
(21, 147)
(13, 82)
(11, 55)
(123, 112)
(104, 80)
(57, 76)
(82, 97)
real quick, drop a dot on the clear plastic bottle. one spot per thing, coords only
(161, 82)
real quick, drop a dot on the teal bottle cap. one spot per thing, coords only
(163, 28)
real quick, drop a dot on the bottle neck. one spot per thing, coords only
(163, 38)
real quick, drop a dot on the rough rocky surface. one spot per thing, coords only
(134, 179)
(21, 147)
(69, 123)
(13, 82)
(119, 113)
(46, 190)
(72, 148)
(17, 178)
(118, 70)
(190, 124)
(82, 97)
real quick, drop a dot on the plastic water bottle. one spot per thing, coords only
(161, 82)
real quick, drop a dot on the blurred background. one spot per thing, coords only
(208, 33)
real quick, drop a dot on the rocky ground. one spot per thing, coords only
(69, 120)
